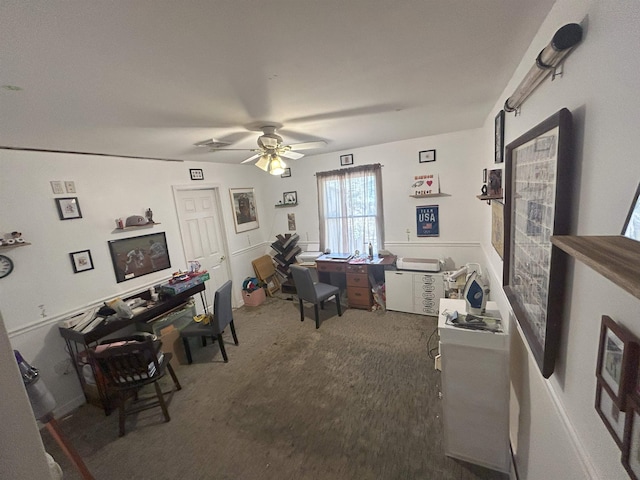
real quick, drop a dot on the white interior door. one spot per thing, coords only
(203, 233)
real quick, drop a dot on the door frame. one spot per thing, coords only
(215, 188)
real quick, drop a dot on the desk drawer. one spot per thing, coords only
(359, 297)
(357, 280)
(331, 267)
(362, 269)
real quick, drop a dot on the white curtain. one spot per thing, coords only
(350, 209)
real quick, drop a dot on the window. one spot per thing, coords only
(350, 209)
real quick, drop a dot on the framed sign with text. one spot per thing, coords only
(428, 221)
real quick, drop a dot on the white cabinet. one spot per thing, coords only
(413, 292)
(475, 390)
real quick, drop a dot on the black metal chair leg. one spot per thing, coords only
(315, 309)
(222, 350)
(187, 350)
(233, 332)
(301, 311)
(338, 304)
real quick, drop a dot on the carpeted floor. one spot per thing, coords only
(356, 399)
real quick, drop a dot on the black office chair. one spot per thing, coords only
(130, 363)
(222, 316)
(315, 293)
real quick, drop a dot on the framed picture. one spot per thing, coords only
(611, 415)
(494, 187)
(428, 221)
(538, 169)
(631, 227)
(245, 210)
(499, 137)
(291, 221)
(196, 174)
(290, 198)
(631, 443)
(68, 208)
(617, 361)
(287, 173)
(497, 227)
(137, 256)
(427, 156)
(81, 261)
(346, 160)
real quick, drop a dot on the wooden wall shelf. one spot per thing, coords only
(7, 247)
(431, 195)
(489, 197)
(137, 227)
(287, 204)
(614, 257)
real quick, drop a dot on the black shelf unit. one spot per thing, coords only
(286, 248)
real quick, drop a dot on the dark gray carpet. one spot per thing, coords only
(356, 399)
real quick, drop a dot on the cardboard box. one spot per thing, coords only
(255, 298)
(172, 343)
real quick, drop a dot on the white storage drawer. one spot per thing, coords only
(414, 292)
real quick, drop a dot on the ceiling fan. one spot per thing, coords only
(270, 149)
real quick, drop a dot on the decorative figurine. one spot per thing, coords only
(149, 215)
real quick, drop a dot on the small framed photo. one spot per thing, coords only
(290, 198)
(81, 261)
(68, 208)
(287, 173)
(484, 175)
(196, 174)
(611, 415)
(499, 137)
(427, 156)
(617, 361)
(346, 159)
(631, 443)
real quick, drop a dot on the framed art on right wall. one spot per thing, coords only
(538, 198)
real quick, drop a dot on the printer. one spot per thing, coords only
(418, 264)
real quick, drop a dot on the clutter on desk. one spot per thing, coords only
(182, 281)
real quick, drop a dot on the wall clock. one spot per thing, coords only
(6, 266)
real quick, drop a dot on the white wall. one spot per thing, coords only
(556, 431)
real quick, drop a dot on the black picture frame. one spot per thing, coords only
(617, 367)
(286, 173)
(81, 261)
(346, 160)
(196, 174)
(290, 198)
(68, 208)
(499, 137)
(134, 257)
(612, 417)
(426, 156)
(631, 228)
(631, 443)
(534, 273)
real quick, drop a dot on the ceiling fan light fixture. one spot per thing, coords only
(277, 166)
(263, 162)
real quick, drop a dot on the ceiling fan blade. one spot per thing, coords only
(291, 155)
(308, 145)
(235, 150)
(253, 157)
(211, 143)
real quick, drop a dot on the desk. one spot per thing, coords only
(354, 275)
(78, 343)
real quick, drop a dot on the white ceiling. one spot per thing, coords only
(152, 77)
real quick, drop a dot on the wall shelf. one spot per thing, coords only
(614, 257)
(137, 227)
(7, 247)
(431, 195)
(286, 205)
(489, 197)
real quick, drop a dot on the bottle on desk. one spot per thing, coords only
(370, 251)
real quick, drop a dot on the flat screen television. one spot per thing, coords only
(134, 257)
